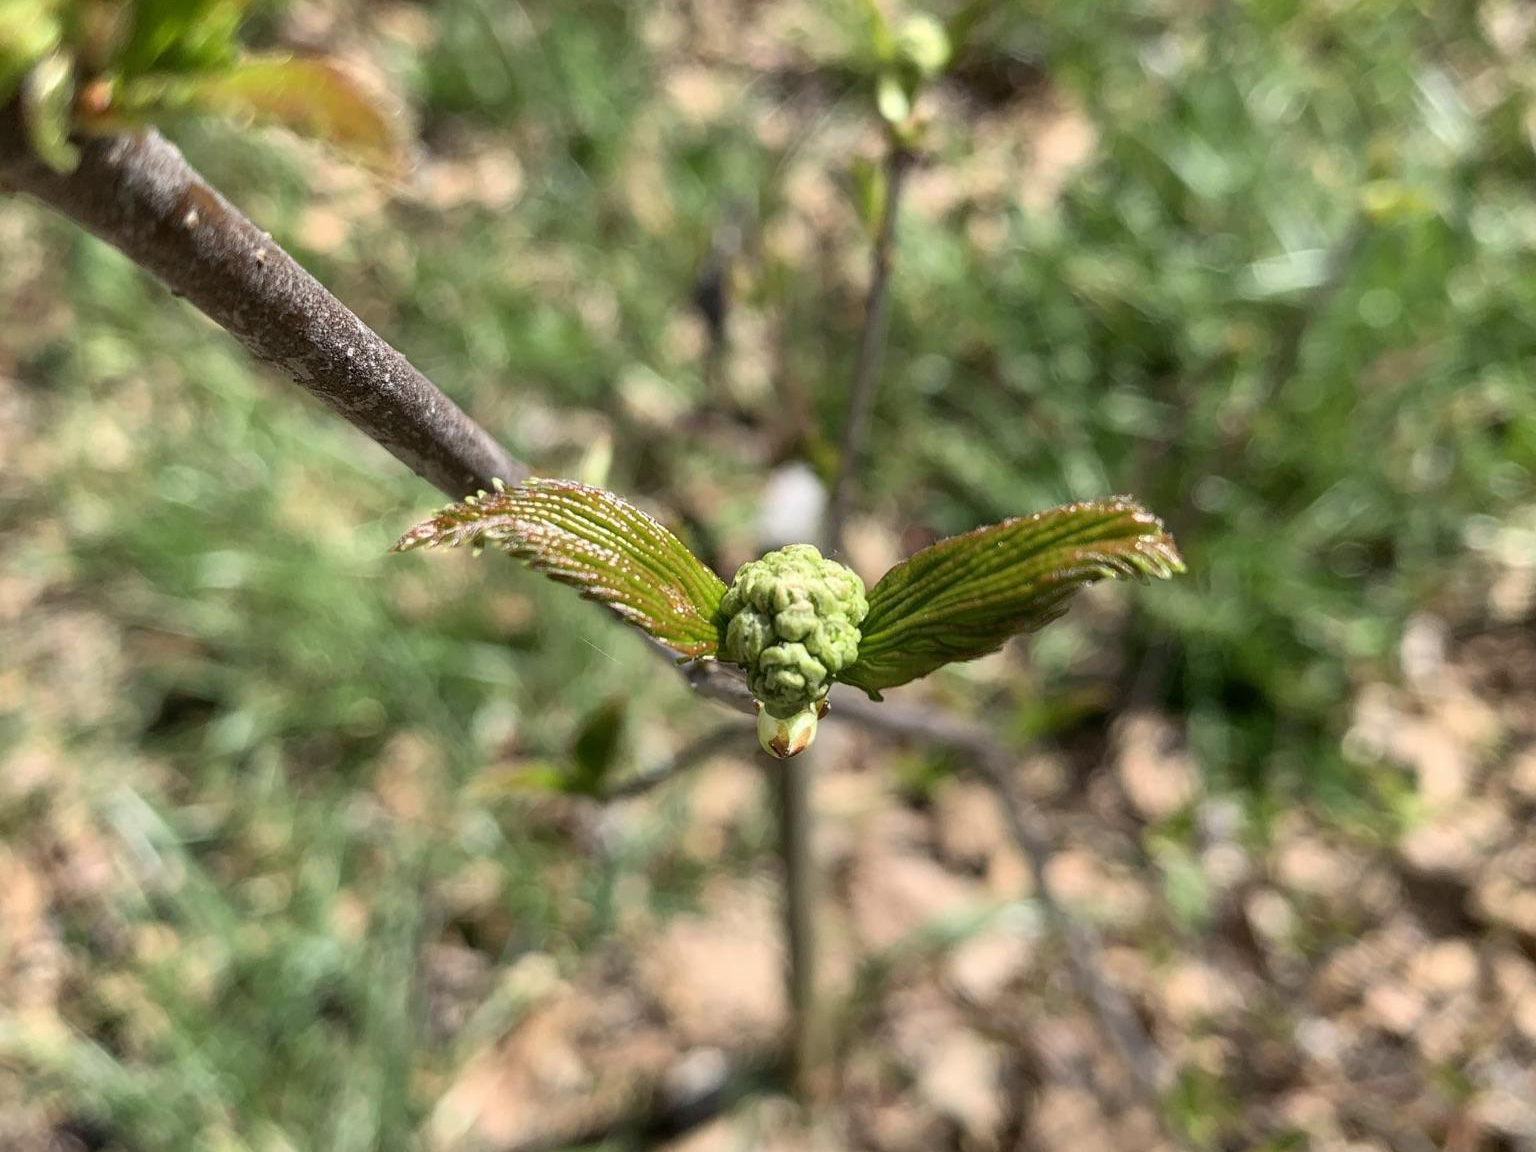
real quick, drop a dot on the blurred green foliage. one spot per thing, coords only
(96, 66)
(1285, 303)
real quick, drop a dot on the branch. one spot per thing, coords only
(877, 316)
(140, 195)
(1118, 1019)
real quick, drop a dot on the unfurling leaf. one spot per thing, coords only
(310, 97)
(964, 596)
(607, 549)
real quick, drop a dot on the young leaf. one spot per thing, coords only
(309, 97)
(964, 596)
(607, 549)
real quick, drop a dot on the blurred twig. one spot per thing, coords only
(140, 195)
(866, 375)
(717, 739)
(1145, 1064)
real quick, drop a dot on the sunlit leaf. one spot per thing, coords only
(882, 44)
(310, 97)
(179, 36)
(607, 549)
(924, 44)
(596, 748)
(29, 30)
(48, 95)
(892, 98)
(508, 782)
(963, 597)
(962, 24)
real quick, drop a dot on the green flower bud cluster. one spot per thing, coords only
(792, 621)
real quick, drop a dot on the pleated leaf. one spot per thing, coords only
(964, 596)
(604, 547)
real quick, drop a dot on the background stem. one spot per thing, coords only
(861, 400)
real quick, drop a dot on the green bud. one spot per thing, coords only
(783, 738)
(923, 41)
(792, 621)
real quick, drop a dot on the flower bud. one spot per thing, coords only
(783, 738)
(792, 621)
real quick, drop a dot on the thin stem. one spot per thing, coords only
(140, 195)
(1147, 1068)
(790, 781)
(877, 317)
(791, 778)
(718, 739)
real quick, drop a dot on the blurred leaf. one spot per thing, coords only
(964, 596)
(509, 782)
(1054, 713)
(958, 29)
(596, 460)
(881, 42)
(97, 33)
(892, 99)
(604, 547)
(1394, 202)
(29, 30)
(310, 97)
(596, 748)
(924, 44)
(48, 95)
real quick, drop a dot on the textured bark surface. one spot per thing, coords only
(140, 195)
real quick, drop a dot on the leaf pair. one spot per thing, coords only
(959, 599)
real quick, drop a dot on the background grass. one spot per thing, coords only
(1267, 267)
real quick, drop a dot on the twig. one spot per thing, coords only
(877, 315)
(1144, 1063)
(723, 683)
(790, 781)
(718, 739)
(140, 195)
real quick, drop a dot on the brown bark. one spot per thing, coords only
(140, 195)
